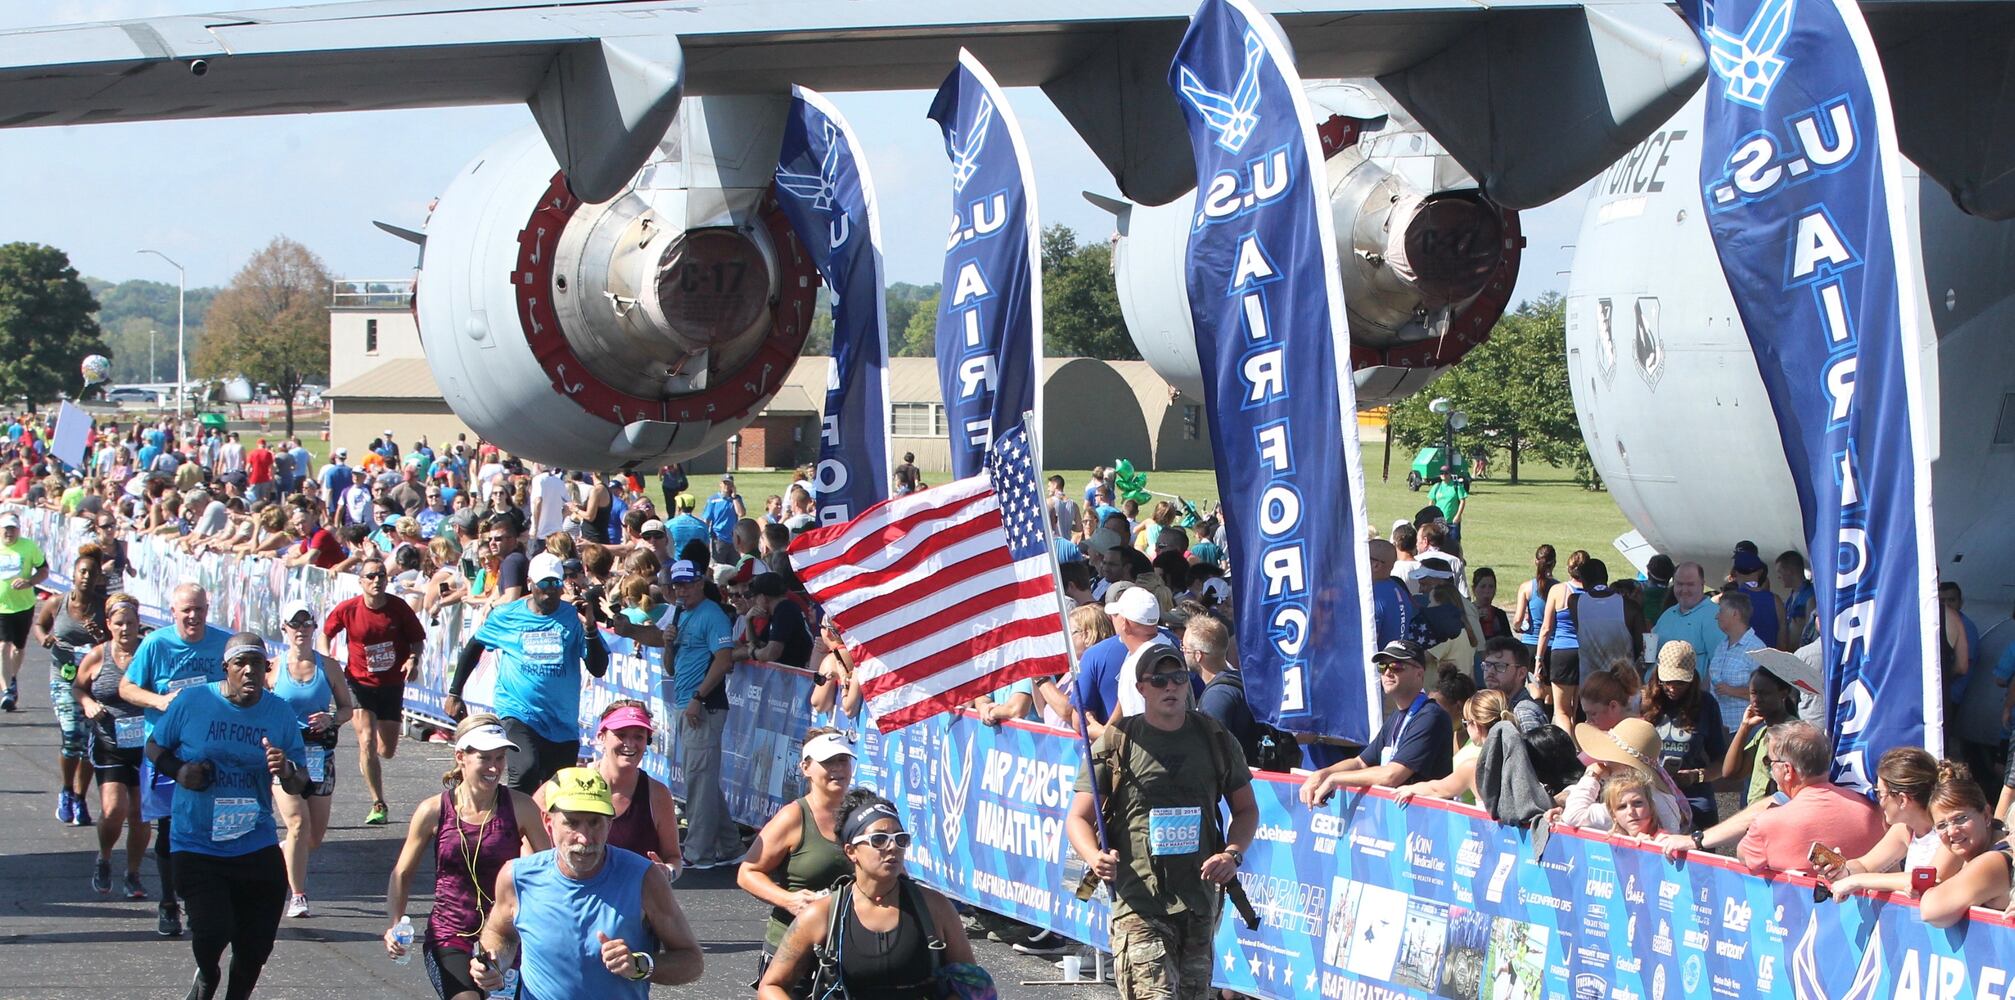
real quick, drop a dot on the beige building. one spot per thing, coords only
(1093, 411)
(378, 375)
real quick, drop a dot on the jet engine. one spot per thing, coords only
(649, 327)
(1428, 261)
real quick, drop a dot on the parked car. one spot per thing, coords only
(131, 394)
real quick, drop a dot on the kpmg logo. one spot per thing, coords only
(952, 790)
(1232, 117)
(965, 146)
(820, 188)
(1750, 63)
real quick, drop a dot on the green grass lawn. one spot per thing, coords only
(1504, 523)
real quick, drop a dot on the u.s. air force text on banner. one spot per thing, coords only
(1270, 332)
(824, 187)
(1364, 898)
(1801, 178)
(989, 323)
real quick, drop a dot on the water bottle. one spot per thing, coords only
(508, 991)
(402, 932)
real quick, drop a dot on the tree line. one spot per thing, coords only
(270, 325)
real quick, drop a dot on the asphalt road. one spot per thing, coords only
(58, 938)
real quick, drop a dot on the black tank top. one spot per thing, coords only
(597, 529)
(891, 966)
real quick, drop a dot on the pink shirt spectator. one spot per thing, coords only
(1782, 837)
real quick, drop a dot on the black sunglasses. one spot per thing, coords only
(1166, 679)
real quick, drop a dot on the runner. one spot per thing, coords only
(21, 568)
(117, 736)
(308, 682)
(472, 828)
(796, 858)
(221, 741)
(385, 639)
(1168, 856)
(552, 903)
(647, 820)
(541, 646)
(896, 939)
(69, 627)
(168, 662)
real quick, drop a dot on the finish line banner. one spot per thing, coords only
(1362, 899)
(824, 187)
(1268, 312)
(989, 333)
(1802, 182)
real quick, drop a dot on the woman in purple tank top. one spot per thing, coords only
(647, 820)
(471, 829)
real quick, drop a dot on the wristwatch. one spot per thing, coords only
(644, 966)
(1237, 856)
(1699, 840)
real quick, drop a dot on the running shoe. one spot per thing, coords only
(297, 905)
(377, 815)
(66, 807)
(101, 877)
(11, 698)
(168, 923)
(1044, 943)
(82, 814)
(134, 890)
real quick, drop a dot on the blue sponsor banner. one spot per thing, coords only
(1802, 182)
(989, 333)
(1270, 333)
(824, 187)
(1363, 898)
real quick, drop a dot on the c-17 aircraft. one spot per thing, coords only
(616, 286)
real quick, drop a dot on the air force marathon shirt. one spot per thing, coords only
(538, 667)
(233, 815)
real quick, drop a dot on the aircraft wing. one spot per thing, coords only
(1532, 96)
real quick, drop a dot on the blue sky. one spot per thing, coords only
(210, 193)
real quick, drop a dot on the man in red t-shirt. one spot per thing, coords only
(385, 639)
(259, 473)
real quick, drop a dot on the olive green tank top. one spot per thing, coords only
(815, 864)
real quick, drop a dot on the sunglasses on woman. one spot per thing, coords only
(881, 841)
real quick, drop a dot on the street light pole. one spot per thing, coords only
(181, 345)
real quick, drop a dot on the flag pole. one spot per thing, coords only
(1063, 616)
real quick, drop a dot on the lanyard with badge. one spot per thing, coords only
(1385, 753)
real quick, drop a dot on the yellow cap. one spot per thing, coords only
(579, 789)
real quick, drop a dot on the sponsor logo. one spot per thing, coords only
(1689, 974)
(1589, 986)
(1277, 834)
(1469, 858)
(1420, 854)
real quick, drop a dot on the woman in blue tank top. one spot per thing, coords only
(1532, 596)
(1559, 652)
(308, 682)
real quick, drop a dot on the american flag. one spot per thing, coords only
(945, 594)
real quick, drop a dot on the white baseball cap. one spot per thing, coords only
(294, 609)
(826, 746)
(483, 738)
(546, 567)
(1136, 604)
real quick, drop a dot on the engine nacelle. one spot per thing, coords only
(1428, 263)
(650, 327)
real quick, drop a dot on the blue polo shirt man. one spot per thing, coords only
(1416, 742)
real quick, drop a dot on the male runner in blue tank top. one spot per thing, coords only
(591, 920)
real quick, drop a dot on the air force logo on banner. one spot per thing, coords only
(1232, 118)
(822, 187)
(965, 146)
(1750, 63)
